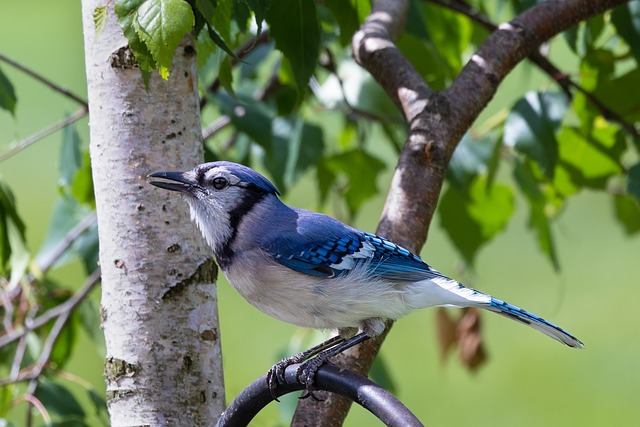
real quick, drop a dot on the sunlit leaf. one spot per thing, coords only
(472, 220)
(532, 124)
(161, 25)
(126, 10)
(99, 19)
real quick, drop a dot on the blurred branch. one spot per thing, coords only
(57, 311)
(44, 80)
(21, 145)
(563, 79)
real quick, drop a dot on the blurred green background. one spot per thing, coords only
(529, 380)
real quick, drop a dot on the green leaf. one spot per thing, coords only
(295, 28)
(8, 98)
(126, 11)
(259, 9)
(471, 158)
(531, 127)
(58, 399)
(221, 19)
(70, 156)
(346, 15)
(538, 219)
(473, 219)
(295, 146)
(248, 117)
(14, 255)
(161, 25)
(633, 181)
(627, 210)
(614, 93)
(361, 170)
(591, 160)
(82, 187)
(88, 312)
(67, 212)
(218, 41)
(626, 19)
(99, 19)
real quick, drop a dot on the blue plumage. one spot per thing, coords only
(311, 270)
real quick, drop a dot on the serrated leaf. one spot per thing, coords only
(295, 27)
(633, 181)
(161, 25)
(126, 11)
(361, 170)
(531, 126)
(538, 219)
(99, 19)
(8, 98)
(219, 42)
(259, 9)
(473, 218)
(627, 210)
(58, 399)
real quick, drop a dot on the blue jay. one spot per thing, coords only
(312, 270)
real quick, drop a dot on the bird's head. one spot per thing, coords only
(219, 194)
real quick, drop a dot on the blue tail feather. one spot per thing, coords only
(536, 322)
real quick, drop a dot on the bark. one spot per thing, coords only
(436, 121)
(159, 304)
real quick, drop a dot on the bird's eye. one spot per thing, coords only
(219, 183)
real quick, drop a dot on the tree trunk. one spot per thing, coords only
(159, 303)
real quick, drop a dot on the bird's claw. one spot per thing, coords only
(306, 375)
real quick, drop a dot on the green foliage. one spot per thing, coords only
(8, 98)
(297, 105)
(294, 26)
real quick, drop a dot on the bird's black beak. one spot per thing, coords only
(174, 181)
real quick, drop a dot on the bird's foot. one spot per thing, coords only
(275, 375)
(306, 374)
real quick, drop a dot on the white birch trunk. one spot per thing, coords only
(159, 304)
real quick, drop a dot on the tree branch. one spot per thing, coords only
(44, 80)
(565, 82)
(21, 145)
(436, 121)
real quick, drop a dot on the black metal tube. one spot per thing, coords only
(359, 389)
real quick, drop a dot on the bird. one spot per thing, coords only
(311, 270)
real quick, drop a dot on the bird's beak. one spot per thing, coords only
(174, 181)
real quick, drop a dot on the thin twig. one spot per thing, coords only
(21, 145)
(543, 63)
(50, 258)
(54, 312)
(44, 80)
(215, 127)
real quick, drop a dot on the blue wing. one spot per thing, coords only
(324, 247)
